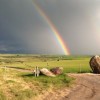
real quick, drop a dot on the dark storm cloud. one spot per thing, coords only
(24, 30)
(17, 17)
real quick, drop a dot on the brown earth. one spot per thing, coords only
(86, 87)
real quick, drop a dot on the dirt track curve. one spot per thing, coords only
(87, 87)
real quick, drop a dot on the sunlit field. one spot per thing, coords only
(18, 84)
(69, 63)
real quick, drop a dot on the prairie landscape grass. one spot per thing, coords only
(21, 85)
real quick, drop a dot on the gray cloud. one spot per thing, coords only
(23, 30)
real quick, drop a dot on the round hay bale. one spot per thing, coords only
(95, 64)
(57, 70)
(46, 72)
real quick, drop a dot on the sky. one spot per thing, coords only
(24, 30)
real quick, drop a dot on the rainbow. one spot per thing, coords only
(53, 28)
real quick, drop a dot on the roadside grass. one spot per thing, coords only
(23, 86)
(17, 85)
(13, 87)
(2, 96)
(22, 94)
(45, 81)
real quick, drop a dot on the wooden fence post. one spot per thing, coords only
(36, 71)
(80, 68)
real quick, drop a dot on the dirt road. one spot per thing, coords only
(87, 87)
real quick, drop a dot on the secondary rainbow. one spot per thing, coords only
(53, 28)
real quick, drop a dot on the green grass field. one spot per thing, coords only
(18, 85)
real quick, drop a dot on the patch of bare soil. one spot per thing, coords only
(86, 87)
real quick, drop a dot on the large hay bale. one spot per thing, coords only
(46, 72)
(95, 64)
(57, 70)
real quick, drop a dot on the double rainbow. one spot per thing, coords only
(53, 28)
